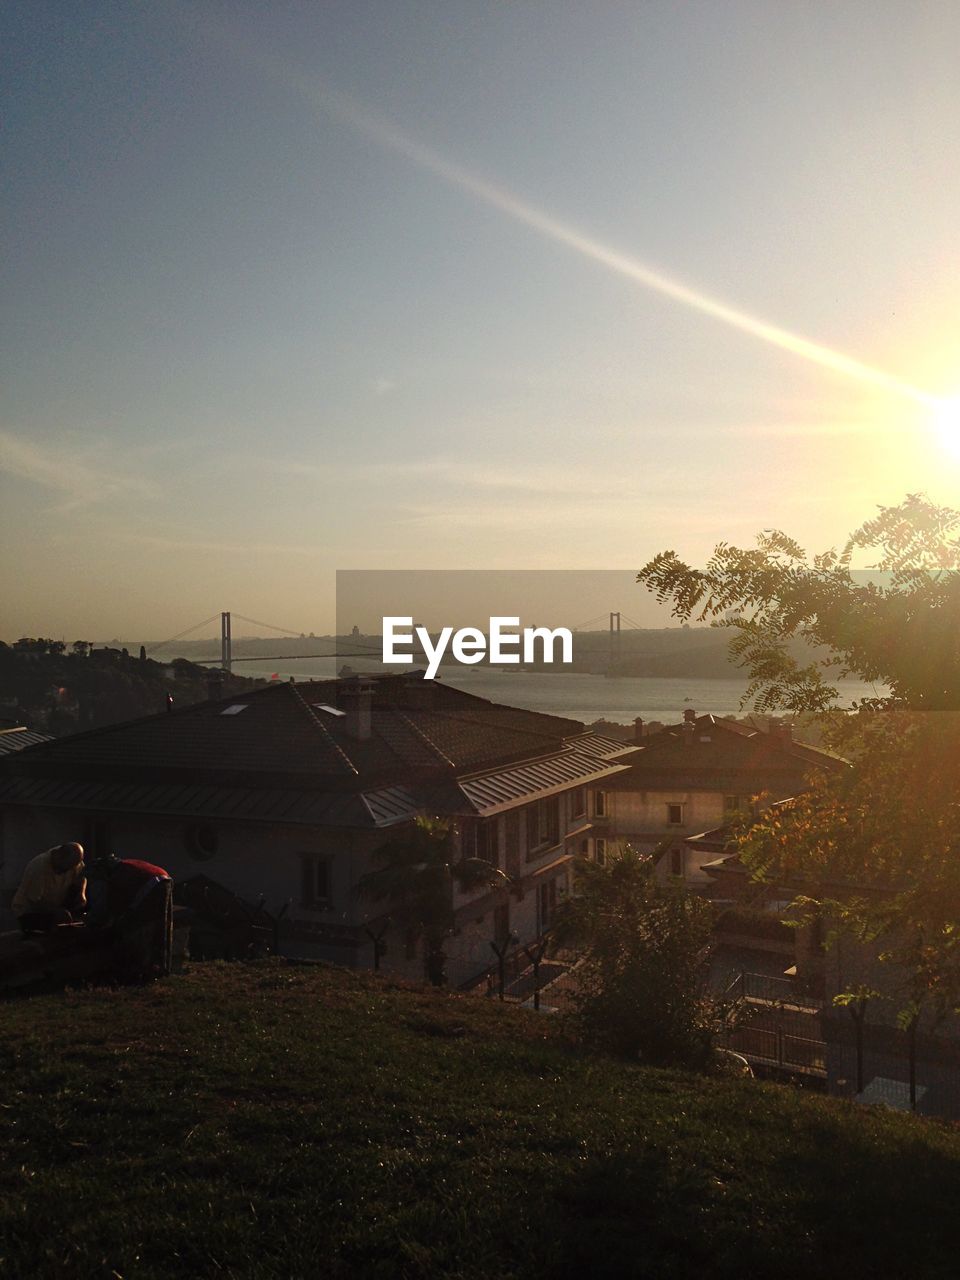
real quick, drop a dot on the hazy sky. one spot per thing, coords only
(297, 287)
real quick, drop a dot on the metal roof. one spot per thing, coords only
(16, 739)
(586, 760)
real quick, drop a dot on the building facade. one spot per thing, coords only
(284, 795)
(695, 776)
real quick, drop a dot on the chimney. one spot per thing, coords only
(638, 729)
(782, 731)
(689, 728)
(355, 699)
(418, 693)
(689, 716)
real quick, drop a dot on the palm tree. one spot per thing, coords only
(416, 874)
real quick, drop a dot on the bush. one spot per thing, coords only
(645, 948)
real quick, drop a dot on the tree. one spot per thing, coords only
(416, 875)
(897, 626)
(876, 845)
(645, 948)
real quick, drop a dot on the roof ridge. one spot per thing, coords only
(325, 733)
(425, 738)
(506, 706)
(467, 719)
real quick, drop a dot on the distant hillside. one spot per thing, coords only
(671, 652)
(45, 685)
(270, 1121)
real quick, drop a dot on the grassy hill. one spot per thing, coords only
(300, 1122)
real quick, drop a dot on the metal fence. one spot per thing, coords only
(778, 1047)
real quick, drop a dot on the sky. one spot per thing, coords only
(297, 287)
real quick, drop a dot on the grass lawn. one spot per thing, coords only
(278, 1121)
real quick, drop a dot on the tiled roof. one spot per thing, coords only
(274, 732)
(248, 804)
(721, 755)
(282, 730)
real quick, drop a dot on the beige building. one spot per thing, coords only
(692, 777)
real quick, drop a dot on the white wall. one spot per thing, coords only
(259, 860)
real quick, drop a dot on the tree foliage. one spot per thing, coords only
(415, 876)
(878, 844)
(645, 948)
(897, 624)
(877, 847)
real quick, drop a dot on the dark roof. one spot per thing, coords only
(717, 754)
(289, 753)
(257, 804)
(483, 795)
(16, 739)
(277, 732)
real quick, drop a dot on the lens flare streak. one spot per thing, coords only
(388, 135)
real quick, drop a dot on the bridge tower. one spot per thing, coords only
(615, 652)
(226, 657)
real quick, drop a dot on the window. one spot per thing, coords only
(546, 904)
(675, 815)
(511, 833)
(96, 838)
(488, 840)
(550, 820)
(480, 838)
(731, 804)
(543, 825)
(315, 881)
(600, 806)
(533, 828)
(201, 842)
(234, 709)
(600, 852)
(676, 862)
(578, 802)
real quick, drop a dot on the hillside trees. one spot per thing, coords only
(49, 686)
(877, 844)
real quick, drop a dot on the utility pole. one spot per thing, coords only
(226, 657)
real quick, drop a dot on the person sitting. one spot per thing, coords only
(52, 891)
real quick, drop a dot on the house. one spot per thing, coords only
(285, 792)
(692, 777)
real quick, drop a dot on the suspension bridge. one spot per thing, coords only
(349, 647)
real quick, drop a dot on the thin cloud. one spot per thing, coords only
(78, 476)
(532, 478)
(225, 548)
